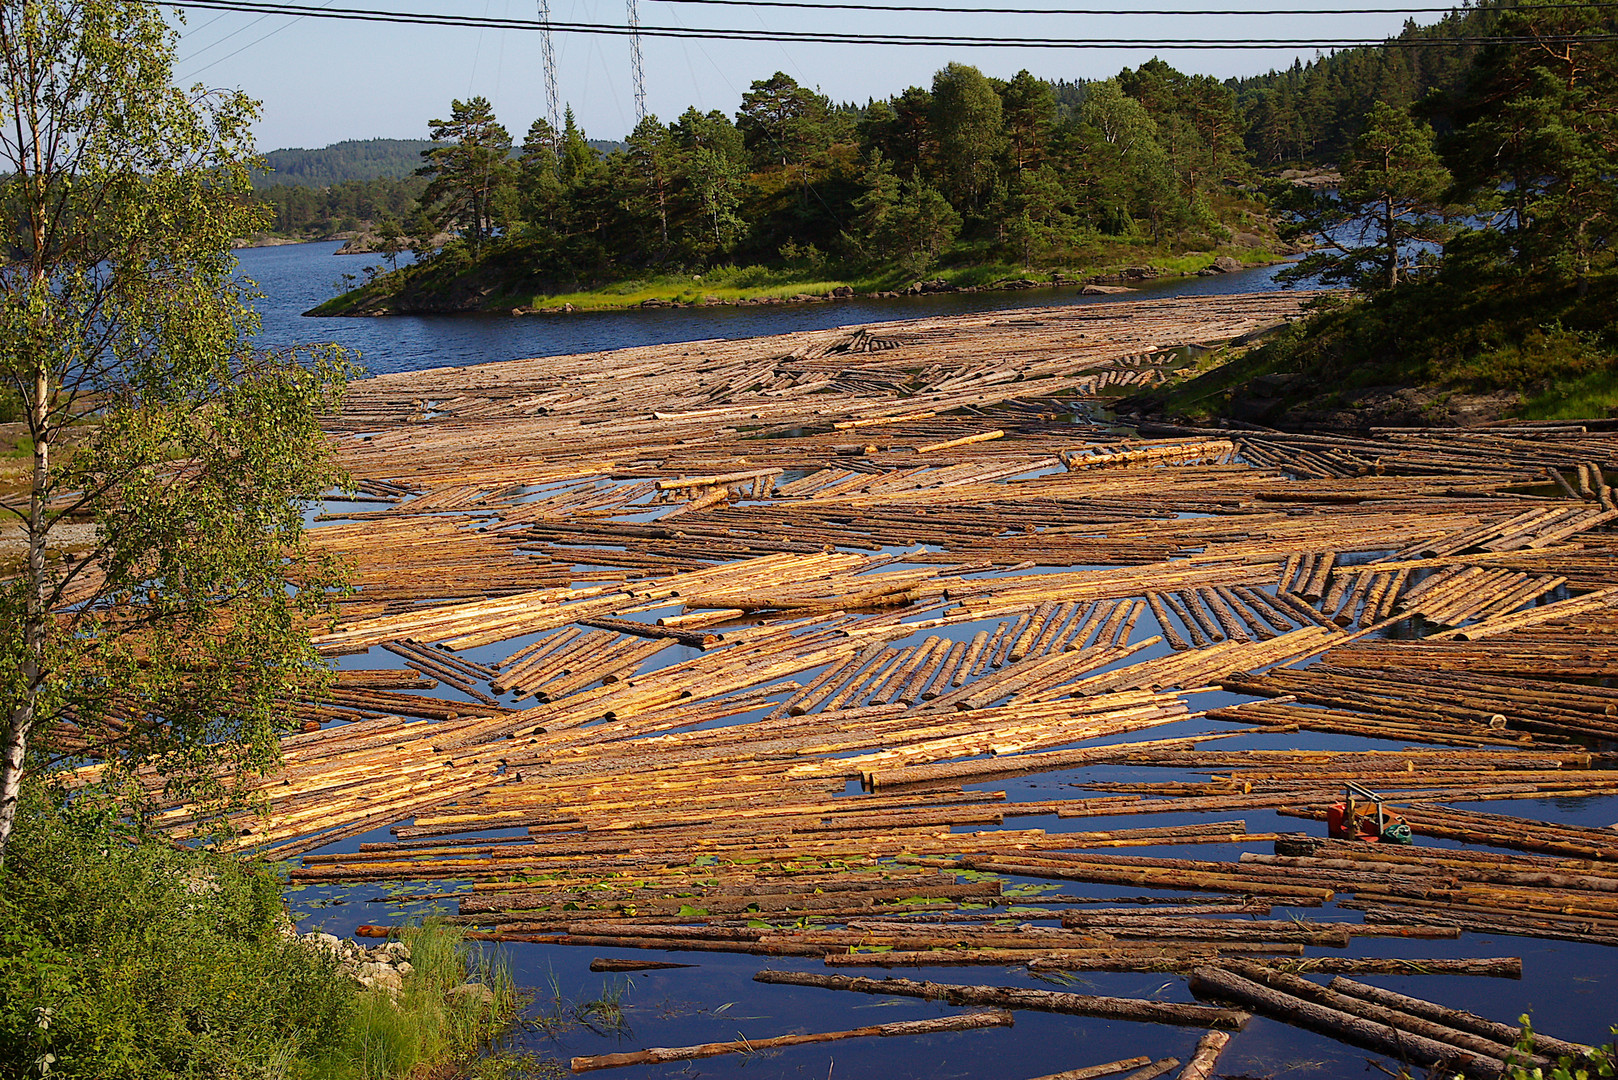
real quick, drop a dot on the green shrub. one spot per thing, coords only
(125, 959)
(133, 959)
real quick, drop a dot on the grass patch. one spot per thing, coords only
(1595, 393)
(435, 1019)
(606, 1014)
(503, 277)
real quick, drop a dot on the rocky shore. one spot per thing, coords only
(382, 967)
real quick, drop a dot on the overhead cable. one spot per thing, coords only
(837, 5)
(260, 7)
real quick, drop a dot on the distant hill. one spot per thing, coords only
(358, 159)
(352, 159)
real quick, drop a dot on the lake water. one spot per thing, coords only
(296, 277)
(1567, 985)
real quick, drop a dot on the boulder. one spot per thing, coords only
(1104, 290)
(842, 292)
(330, 943)
(375, 976)
(1225, 264)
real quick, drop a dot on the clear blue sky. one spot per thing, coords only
(322, 80)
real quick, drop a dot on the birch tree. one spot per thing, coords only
(157, 615)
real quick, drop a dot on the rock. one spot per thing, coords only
(374, 976)
(842, 292)
(404, 967)
(1273, 382)
(395, 951)
(329, 942)
(473, 993)
(1104, 290)
(1248, 240)
(359, 244)
(567, 309)
(1225, 264)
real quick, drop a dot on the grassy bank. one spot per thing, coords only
(134, 959)
(1433, 349)
(466, 285)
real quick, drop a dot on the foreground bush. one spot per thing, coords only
(122, 959)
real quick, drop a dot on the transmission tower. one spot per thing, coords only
(635, 67)
(548, 50)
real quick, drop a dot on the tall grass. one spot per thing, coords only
(430, 1022)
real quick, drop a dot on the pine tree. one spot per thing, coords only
(468, 170)
(1387, 213)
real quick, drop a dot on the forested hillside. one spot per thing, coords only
(1310, 113)
(1482, 246)
(341, 208)
(342, 162)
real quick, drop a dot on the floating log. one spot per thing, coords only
(663, 1055)
(1092, 1071)
(1504, 1034)
(1222, 985)
(610, 964)
(1205, 1056)
(1012, 997)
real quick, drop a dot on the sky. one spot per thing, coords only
(321, 81)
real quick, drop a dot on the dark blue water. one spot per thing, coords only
(296, 277)
(1567, 986)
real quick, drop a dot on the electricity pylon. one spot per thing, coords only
(548, 49)
(635, 67)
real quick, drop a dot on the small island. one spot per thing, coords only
(976, 183)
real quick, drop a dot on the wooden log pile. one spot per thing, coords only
(746, 639)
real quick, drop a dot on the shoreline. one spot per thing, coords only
(1114, 281)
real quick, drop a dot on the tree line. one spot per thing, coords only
(1019, 169)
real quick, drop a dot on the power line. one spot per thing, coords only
(851, 38)
(809, 5)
